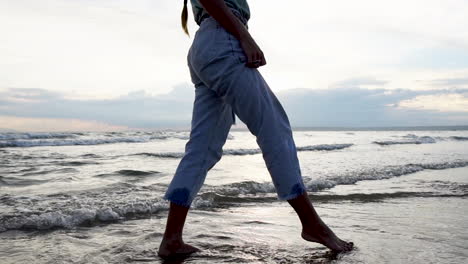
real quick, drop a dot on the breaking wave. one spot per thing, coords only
(414, 139)
(11, 140)
(126, 201)
(16, 136)
(69, 142)
(243, 152)
(458, 138)
(137, 173)
(409, 139)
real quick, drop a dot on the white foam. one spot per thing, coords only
(77, 217)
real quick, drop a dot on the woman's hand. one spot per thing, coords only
(255, 56)
(219, 10)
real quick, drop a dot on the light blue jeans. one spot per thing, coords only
(225, 87)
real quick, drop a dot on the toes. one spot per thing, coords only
(349, 246)
(346, 246)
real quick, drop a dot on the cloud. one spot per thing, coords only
(439, 102)
(136, 109)
(104, 48)
(450, 82)
(372, 107)
(363, 82)
(448, 56)
(29, 95)
(353, 106)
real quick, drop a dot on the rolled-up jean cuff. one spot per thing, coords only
(186, 204)
(297, 192)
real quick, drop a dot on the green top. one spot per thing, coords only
(240, 5)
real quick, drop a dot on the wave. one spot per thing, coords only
(73, 142)
(45, 172)
(9, 139)
(87, 138)
(58, 219)
(15, 181)
(243, 152)
(136, 172)
(129, 173)
(91, 156)
(324, 147)
(458, 138)
(255, 190)
(77, 163)
(126, 201)
(170, 155)
(182, 135)
(24, 178)
(210, 200)
(411, 139)
(68, 211)
(371, 197)
(414, 139)
(16, 136)
(381, 173)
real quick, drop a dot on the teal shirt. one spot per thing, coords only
(239, 5)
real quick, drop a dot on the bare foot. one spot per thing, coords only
(321, 233)
(175, 248)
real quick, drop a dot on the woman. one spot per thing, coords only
(222, 61)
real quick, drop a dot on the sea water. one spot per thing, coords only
(96, 197)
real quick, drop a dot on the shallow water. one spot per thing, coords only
(401, 196)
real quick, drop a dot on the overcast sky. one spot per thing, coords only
(118, 64)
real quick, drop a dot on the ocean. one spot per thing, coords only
(96, 197)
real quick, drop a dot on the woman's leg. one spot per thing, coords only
(172, 242)
(212, 119)
(313, 228)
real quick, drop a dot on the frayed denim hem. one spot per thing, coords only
(187, 205)
(298, 190)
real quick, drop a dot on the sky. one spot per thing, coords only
(121, 64)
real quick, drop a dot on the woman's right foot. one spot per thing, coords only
(321, 233)
(175, 249)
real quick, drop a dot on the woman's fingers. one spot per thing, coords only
(263, 59)
(256, 59)
(253, 58)
(254, 55)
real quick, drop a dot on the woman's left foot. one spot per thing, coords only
(321, 233)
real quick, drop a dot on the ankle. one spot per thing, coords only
(313, 226)
(172, 238)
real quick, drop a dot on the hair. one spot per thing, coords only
(185, 18)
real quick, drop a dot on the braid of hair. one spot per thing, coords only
(185, 18)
